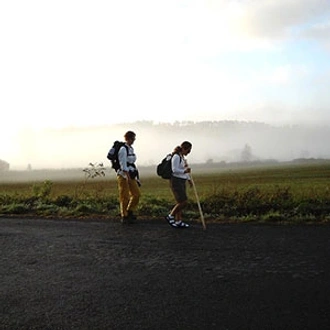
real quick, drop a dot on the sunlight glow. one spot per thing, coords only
(75, 63)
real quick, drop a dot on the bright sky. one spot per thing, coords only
(71, 63)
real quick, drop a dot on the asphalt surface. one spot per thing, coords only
(97, 274)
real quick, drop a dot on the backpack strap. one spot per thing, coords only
(131, 164)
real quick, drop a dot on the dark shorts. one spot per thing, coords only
(178, 187)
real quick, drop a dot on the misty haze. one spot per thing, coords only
(218, 141)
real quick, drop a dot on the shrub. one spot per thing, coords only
(42, 190)
(63, 200)
(16, 209)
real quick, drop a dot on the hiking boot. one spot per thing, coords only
(125, 220)
(170, 220)
(131, 216)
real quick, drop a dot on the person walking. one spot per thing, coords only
(180, 174)
(128, 180)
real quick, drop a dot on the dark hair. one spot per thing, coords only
(129, 135)
(184, 145)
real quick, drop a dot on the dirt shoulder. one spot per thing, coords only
(97, 274)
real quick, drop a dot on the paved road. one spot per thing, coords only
(65, 274)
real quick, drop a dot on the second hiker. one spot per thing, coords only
(180, 174)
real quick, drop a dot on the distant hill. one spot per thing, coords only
(213, 141)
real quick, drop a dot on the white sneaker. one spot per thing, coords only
(171, 221)
(181, 224)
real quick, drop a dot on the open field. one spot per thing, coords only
(247, 193)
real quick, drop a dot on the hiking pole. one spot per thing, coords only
(198, 203)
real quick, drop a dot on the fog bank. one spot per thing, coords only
(212, 141)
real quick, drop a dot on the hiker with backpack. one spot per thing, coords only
(123, 160)
(180, 174)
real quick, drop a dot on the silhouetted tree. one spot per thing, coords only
(246, 155)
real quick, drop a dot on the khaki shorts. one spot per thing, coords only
(178, 187)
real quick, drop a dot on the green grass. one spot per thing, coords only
(268, 194)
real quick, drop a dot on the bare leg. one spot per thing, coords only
(177, 210)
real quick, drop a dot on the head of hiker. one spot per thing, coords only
(130, 137)
(185, 148)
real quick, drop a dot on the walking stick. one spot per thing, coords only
(198, 203)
